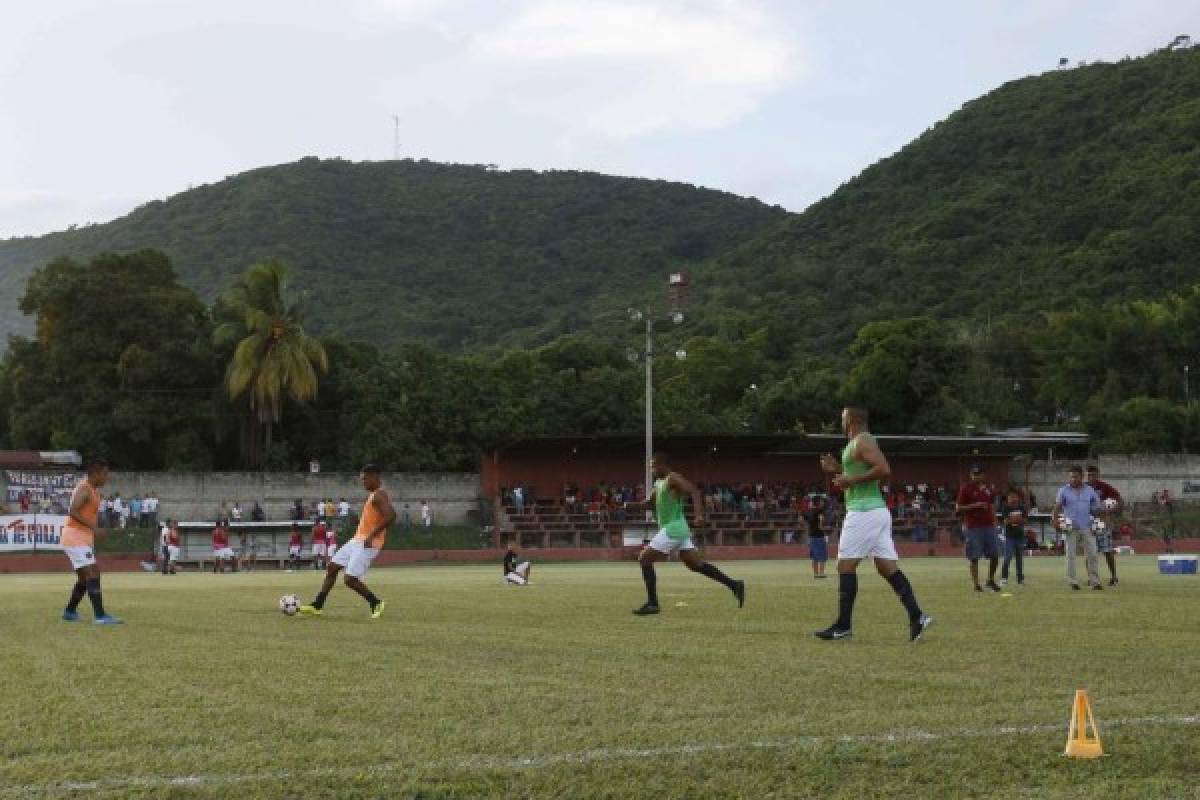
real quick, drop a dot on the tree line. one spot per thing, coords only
(127, 362)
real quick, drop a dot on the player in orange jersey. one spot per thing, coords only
(79, 541)
(356, 555)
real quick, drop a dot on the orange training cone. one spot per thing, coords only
(1079, 743)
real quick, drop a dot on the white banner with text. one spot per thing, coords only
(21, 532)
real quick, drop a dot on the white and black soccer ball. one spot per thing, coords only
(1111, 504)
(289, 604)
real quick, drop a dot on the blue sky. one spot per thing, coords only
(111, 104)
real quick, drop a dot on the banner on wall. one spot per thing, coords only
(43, 491)
(24, 532)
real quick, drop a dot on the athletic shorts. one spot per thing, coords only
(172, 552)
(867, 534)
(981, 543)
(293, 550)
(666, 545)
(318, 549)
(355, 557)
(818, 549)
(1104, 541)
(224, 552)
(80, 556)
(515, 579)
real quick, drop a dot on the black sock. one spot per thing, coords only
(77, 593)
(847, 591)
(93, 593)
(716, 574)
(904, 591)
(319, 600)
(651, 579)
(370, 597)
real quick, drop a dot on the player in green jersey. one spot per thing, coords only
(670, 489)
(867, 529)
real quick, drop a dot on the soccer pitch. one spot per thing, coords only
(470, 688)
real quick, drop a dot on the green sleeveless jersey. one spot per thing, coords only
(860, 496)
(668, 509)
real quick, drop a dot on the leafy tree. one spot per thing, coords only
(905, 371)
(273, 357)
(121, 364)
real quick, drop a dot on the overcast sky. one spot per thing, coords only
(108, 104)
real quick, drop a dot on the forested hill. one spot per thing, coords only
(1076, 185)
(454, 256)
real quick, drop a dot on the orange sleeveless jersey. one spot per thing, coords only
(76, 535)
(371, 517)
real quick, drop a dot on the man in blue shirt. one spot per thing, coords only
(1079, 504)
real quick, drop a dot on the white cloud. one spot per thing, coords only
(626, 69)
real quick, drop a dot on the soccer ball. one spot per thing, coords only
(289, 604)
(1111, 504)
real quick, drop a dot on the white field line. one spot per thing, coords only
(500, 763)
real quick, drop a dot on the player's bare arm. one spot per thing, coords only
(682, 486)
(649, 504)
(383, 504)
(78, 498)
(830, 464)
(867, 451)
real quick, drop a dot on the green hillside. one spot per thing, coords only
(455, 256)
(1079, 184)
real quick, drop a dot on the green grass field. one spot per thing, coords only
(470, 688)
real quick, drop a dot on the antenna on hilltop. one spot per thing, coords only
(396, 138)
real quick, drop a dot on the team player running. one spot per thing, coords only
(670, 489)
(867, 528)
(356, 555)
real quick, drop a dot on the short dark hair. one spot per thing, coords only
(96, 463)
(371, 469)
(1093, 468)
(1075, 469)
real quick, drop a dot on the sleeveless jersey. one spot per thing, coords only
(860, 496)
(371, 517)
(668, 509)
(76, 535)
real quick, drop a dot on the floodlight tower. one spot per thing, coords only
(678, 293)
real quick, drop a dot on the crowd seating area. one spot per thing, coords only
(549, 522)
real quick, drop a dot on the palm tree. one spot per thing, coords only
(274, 357)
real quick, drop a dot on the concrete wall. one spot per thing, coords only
(198, 496)
(1135, 477)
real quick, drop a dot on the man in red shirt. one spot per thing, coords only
(318, 544)
(221, 550)
(294, 546)
(976, 504)
(1104, 538)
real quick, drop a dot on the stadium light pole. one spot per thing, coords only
(637, 315)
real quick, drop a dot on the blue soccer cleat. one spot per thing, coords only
(109, 619)
(70, 616)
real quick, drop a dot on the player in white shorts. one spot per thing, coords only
(670, 488)
(319, 550)
(516, 572)
(356, 555)
(867, 528)
(78, 541)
